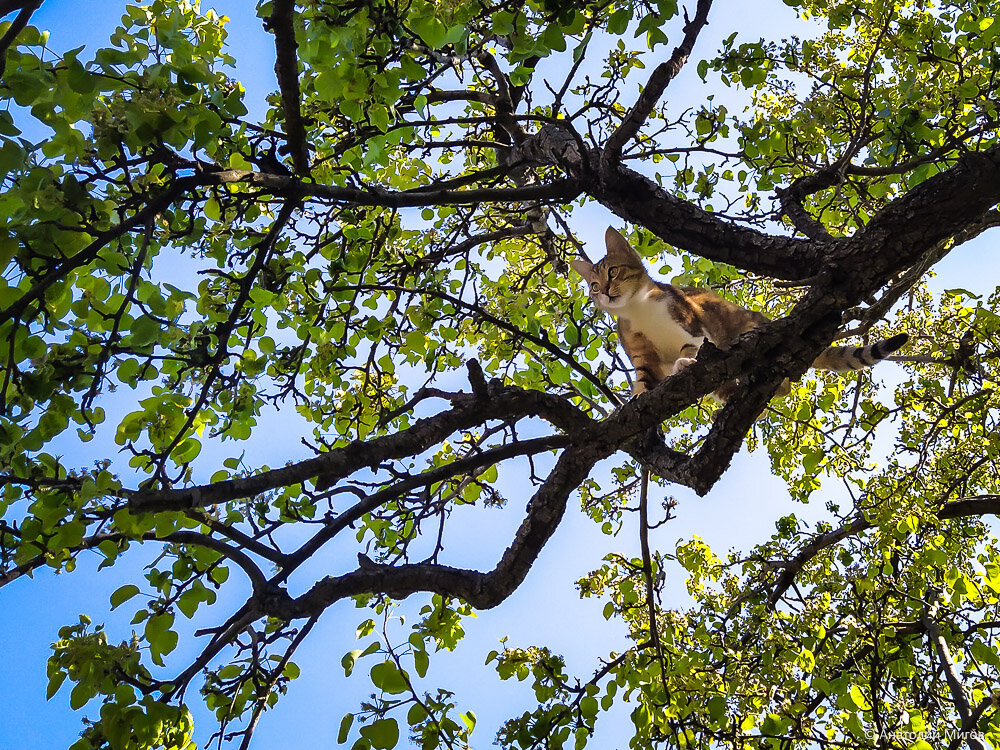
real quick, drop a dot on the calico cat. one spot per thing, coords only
(662, 326)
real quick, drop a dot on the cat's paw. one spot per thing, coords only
(681, 363)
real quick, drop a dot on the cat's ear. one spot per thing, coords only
(618, 246)
(582, 267)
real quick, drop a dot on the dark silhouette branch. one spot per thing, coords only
(658, 81)
(25, 9)
(286, 69)
(980, 505)
(481, 590)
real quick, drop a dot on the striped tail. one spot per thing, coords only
(849, 358)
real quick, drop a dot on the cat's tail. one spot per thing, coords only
(848, 358)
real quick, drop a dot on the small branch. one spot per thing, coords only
(661, 76)
(248, 566)
(542, 341)
(647, 573)
(27, 7)
(951, 675)
(979, 505)
(59, 270)
(791, 198)
(261, 703)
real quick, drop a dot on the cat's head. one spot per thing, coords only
(616, 278)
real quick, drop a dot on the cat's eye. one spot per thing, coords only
(612, 272)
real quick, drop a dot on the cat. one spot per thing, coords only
(661, 326)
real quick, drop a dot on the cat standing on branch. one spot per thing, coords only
(662, 327)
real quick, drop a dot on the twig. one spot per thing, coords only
(647, 573)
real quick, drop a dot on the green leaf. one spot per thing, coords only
(857, 696)
(212, 209)
(416, 714)
(80, 695)
(187, 450)
(717, 708)
(79, 79)
(431, 30)
(55, 682)
(618, 21)
(383, 734)
(388, 678)
(984, 653)
(348, 661)
(345, 728)
(123, 594)
(420, 662)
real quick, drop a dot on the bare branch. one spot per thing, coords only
(661, 76)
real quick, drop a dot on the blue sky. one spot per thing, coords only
(545, 611)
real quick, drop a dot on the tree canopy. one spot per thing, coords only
(379, 256)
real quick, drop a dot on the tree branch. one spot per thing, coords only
(481, 590)
(507, 403)
(661, 76)
(636, 198)
(464, 465)
(286, 69)
(980, 505)
(937, 209)
(948, 667)
(562, 190)
(27, 8)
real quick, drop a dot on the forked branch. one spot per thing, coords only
(658, 81)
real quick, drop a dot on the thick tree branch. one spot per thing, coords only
(286, 68)
(481, 590)
(937, 209)
(561, 190)
(641, 201)
(760, 360)
(468, 410)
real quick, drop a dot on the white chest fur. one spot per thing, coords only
(647, 313)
